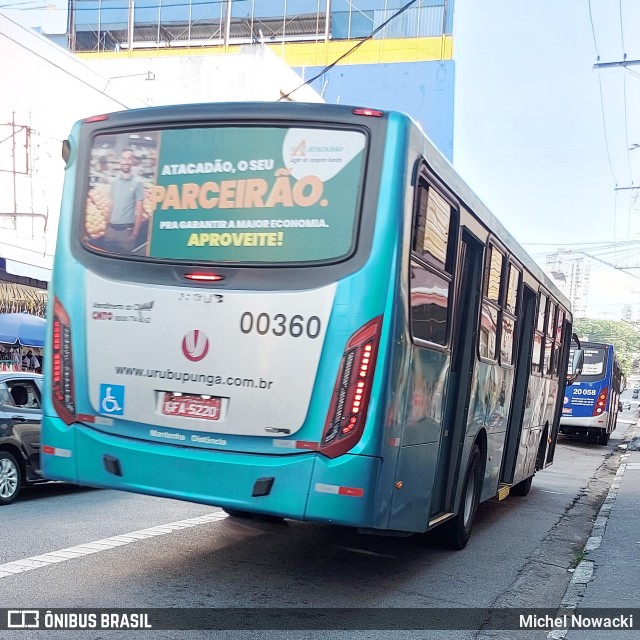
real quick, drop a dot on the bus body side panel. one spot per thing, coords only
(424, 408)
(412, 437)
(62, 465)
(486, 413)
(536, 415)
(343, 491)
(55, 433)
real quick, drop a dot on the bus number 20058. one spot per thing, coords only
(279, 325)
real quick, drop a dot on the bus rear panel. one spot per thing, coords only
(591, 402)
(227, 352)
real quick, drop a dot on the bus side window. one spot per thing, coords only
(432, 225)
(549, 338)
(488, 334)
(557, 349)
(431, 270)
(538, 339)
(509, 316)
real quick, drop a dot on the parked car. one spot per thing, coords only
(20, 419)
(635, 394)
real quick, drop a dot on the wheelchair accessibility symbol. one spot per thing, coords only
(112, 399)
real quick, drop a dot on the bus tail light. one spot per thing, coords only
(601, 402)
(62, 365)
(350, 400)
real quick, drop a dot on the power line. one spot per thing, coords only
(624, 51)
(581, 244)
(626, 129)
(604, 128)
(593, 31)
(350, 51)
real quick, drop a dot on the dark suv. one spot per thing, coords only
(20, 418)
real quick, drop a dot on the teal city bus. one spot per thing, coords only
(296, 311)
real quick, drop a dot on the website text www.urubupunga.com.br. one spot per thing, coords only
(209, 379)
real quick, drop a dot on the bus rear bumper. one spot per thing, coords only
(582, 425)
(305, 486)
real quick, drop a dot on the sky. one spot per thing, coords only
(50, 16)
(544, 138)
(540, 135)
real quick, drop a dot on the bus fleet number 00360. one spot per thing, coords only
(280, 325)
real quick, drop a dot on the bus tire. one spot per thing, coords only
(603, 438)
(593, 438)
(10, 478)
(456, 532)
(522, 488)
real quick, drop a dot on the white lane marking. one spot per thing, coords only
(44, 560)
(558, 493)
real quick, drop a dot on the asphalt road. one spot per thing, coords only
(520, 554)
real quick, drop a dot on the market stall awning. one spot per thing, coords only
(22, 329)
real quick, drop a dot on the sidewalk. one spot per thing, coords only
(609, 575)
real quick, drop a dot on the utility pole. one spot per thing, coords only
(71, 26)
(227, 26)
(130, 25)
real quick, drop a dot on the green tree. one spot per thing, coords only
(622, 335)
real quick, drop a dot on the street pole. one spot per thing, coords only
(227, 26)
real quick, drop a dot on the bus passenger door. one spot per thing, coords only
(521, 385)
(465, 331)
(563, 361)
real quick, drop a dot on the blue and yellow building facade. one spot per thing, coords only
(390, 54)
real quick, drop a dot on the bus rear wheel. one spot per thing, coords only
(603, 438)
(456, 532)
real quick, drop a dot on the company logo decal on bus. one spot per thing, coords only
(195, 345)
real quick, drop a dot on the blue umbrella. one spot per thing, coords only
(22, 328)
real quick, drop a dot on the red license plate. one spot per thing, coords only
(187, 406)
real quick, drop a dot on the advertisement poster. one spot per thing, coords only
(226, 194)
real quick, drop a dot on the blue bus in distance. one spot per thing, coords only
(591, 403)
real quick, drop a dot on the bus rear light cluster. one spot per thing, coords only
(348, 408)
(63, 395)
(601, 402)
